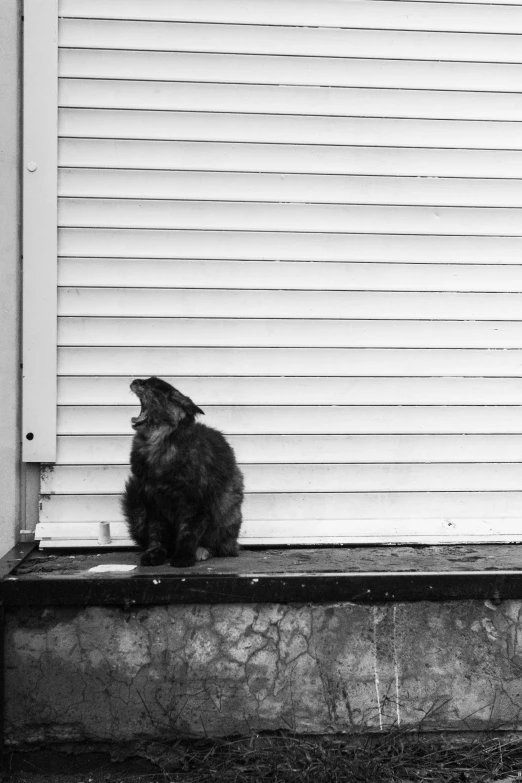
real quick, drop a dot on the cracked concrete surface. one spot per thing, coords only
(109, 674)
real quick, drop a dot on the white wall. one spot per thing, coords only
(315, 232)
(10, 277)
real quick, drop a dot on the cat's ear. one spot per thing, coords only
(184, 408)
(190, 408)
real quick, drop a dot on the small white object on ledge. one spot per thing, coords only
(106, 567)
(104, 533)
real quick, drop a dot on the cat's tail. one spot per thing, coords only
(134, 512)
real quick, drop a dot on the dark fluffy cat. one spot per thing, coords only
(183, 498)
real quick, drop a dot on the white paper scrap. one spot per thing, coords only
(100, 569)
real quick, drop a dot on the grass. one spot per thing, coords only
(392, 758)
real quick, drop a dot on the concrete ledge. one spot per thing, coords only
(106, 674)
(361, 574)
(211, 664)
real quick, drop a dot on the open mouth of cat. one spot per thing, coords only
(140, 419)
(136, 421)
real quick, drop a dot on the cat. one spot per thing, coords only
(182, 500)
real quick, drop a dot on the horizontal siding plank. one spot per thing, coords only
(288, 333)
(99, 390)
(229, 215)
(296, 188)
(288, 70)
(64, 536)
(289, 100)
(290, 158)
(308, 13)
(86, 479)
(106, 479)
(214, 303)
(287, 129)
(85, 449)
(286, 100)
(279, 275)
(142, 243)
(321, 506)
(258, 39)
(79, 534)
(290, 361)
(310, 420)
(266, 532)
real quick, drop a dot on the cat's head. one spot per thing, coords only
(161, 404)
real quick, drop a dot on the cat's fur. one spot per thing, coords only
(183, 498)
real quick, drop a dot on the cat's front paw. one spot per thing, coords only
(154, 556)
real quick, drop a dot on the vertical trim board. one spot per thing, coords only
(39, 230)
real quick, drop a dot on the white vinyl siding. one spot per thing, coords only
(306, 215)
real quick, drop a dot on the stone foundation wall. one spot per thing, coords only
(109, 674)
